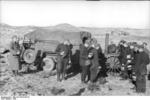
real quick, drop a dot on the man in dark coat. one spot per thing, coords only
(84, 60)
(148, 52)
(142, 60)
(102, 62)
(135, 55)
(130, 60)
(120, 47)
(124, 73)
(62, 51)
(93, 56)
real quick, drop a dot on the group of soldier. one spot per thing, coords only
(92, 61)
(133, 58)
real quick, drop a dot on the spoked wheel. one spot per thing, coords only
(113, 65)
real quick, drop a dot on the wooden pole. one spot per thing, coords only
(106, 43)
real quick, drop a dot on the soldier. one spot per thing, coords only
(102, 62)
(142, 60)
(124, 73)
(145, 48)
(121, 49)
(14, 55)
(62, 51)
(112, 47)
(130, 58)
(135, 54)
(148, 52)
(93, 56)
(84, 60)
(94, 67)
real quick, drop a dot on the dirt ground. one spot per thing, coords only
(35, 84)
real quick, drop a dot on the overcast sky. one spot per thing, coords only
(92, 14)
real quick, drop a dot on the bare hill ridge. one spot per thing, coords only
(71, 28)
(66, 31)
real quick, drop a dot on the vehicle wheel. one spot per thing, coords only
(29, 56)
(49, 64)
(113, 65)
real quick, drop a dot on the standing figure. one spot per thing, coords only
(121, 49)
(142, 60)
(62, 51)
(84, 60)
(94, 67)
(14, 55)
(124, 73)
(148, 52)
(93, 56)
(130, 60)
(102, 63)
(135, 55)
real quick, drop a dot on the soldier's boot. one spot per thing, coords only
(83, 77)
(91, 86)
(63, 76)
(58, 77)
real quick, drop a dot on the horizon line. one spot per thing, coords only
(72, 25)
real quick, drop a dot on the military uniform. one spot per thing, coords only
(83, 58)
(130, 62)
(102, 63)
(142, 59)
(124, 73)
(62, 51)
(121, 48)
(94, 64)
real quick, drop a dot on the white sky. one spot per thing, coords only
(131, 14)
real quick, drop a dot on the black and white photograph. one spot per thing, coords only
(74, 48)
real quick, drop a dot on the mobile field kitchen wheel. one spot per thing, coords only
(113, 64)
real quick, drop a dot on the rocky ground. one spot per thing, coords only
(36, 85)
(40, 84)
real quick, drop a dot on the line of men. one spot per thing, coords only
(134, 59)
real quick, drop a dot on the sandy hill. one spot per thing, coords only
(67, 31)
